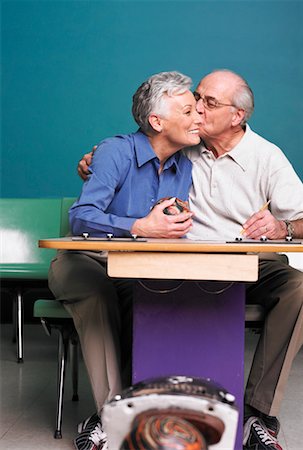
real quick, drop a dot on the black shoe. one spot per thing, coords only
(257, 436)
(91, 435)
(272, 424)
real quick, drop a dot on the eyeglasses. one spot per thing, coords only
(210, 102)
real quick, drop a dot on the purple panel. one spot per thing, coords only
(191, 332)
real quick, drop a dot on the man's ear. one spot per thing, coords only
(155, 122)
(238, 116)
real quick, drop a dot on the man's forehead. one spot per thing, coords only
(217, 83)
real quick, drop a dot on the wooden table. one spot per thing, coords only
(177, 258)
(188, 328)
(171, 245)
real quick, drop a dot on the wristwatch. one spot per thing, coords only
(290, 228)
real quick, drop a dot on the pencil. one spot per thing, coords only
(265, 206)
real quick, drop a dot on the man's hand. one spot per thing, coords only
(263, 223)
(84, 164)
(159, 225)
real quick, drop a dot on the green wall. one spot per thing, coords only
(69, 69)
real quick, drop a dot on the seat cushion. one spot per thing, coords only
(50, 308)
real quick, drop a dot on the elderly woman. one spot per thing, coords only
(129, 174)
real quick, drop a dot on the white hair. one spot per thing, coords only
(243, 97)
(150, 96)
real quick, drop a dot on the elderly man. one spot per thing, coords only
(235, 172)
(129, 174)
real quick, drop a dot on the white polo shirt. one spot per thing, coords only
(227, 190)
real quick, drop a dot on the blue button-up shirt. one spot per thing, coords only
(124, 185)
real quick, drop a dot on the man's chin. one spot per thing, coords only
(202, 132)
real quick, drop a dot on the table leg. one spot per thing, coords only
(191, 332)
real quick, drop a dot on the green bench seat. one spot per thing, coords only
(22, 222)
(23, 265)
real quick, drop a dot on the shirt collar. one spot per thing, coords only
(145, 153)
(239, 153)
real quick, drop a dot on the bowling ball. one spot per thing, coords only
(177, 207)
(163, 432)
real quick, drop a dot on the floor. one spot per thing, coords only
(28, 395)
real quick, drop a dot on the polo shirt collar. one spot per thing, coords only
(240, 153)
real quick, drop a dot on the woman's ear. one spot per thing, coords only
(155, 122)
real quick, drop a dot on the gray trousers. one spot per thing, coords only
(101, 308)
(280, 290)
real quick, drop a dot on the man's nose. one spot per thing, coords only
(197, 117)
(200, 106)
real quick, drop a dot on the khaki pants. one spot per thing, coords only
(280, 290)
(101, 308)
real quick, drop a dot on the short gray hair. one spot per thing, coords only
(243, 97)
(149, 96)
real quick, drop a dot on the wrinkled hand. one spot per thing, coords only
(84, 164)
(159, 225)
(263, 223)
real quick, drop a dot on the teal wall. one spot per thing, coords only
(69, 69)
